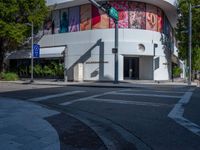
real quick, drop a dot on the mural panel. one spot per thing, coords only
(48, 26)
(160, 20)
(86, 15)
(64, 21)
(137, 15)
(74, 19)
(151, 17)
(56, 21)
(99, 19)
(122, 8)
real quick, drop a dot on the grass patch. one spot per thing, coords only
(9, 76)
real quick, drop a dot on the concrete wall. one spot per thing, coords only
(146, 68)
(93, 48)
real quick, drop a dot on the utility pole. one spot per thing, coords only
(31, 51)
(190, 42)
(116, 52)
(112, 13)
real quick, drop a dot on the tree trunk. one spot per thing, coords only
(2, 55)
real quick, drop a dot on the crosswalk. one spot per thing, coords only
(114, 97)
(138, 97)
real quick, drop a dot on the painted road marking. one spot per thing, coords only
(85, 98)
(154, 91)
(147, 95)
(128, 102)
(177, 114)
(101, 125)
(54, 96)
(120, 92)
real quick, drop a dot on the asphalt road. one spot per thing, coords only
(157, 117)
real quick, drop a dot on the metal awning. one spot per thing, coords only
(46, 52)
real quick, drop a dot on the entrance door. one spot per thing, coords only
(131, 68)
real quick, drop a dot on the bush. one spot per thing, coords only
(177, 71)
(9, 76)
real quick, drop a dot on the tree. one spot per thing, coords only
(14, 16)
(182, 32)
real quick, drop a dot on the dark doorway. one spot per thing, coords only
(131, 68)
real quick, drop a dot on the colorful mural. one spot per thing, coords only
(99, 19)
(122, 7)
(56, 21)
(64, 21)
(160, 20)
(85, 14)
(151, 17)
(74, 19)
(137, 15)
(48, 27)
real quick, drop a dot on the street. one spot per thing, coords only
(153, 117)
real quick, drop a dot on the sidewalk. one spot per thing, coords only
(27, 126)
(120, 84)
(23, 127)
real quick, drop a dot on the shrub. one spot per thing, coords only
(177, 71)
(9, 76)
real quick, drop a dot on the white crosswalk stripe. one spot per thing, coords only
(54, 96)
(147, 95)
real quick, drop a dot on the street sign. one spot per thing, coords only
(113, 13)
(36, 51)
(114, 50)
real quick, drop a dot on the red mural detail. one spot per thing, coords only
(151, 17)
(85, 14)
(160, 20)
(137, 15)
(95, 16)
(99, 19)
(122, 8)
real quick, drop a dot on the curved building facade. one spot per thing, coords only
(146, 39)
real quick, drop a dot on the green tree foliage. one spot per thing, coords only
(182, 32)
(14, 15)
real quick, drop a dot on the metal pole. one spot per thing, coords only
(65, 65)
(116, 53)
(32, 52)
(190, 45)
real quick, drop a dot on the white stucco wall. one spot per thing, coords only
(82, 49)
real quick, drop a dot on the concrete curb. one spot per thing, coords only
(131, 84)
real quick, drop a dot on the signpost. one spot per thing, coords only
(36, 51)
(112, 13)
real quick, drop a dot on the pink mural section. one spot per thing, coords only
(137, 15)
(86, 15)
(74, 19)
(99, 19)
(151, 17)
(160, 20)
(132, 14)
(122, 8)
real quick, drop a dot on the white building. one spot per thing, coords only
(146, 39)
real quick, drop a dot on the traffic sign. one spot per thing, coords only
(36, 50)
(113, 13)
